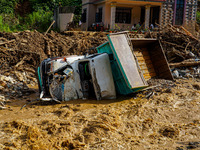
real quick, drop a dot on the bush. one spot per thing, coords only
(7, 6)
(8, 22)
(39, 20)
(3, 26)
(198, 17)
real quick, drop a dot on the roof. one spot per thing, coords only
(100, 1)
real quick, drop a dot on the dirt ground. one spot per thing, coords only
(170, 119)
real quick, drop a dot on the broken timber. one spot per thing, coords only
(184, 64)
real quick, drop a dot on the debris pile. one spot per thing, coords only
(179, 45)
(12, 88)
(161, 85)
(181, 49)
(21, 53)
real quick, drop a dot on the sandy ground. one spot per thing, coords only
(170, 119)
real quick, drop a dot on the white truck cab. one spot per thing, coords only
(78, 77)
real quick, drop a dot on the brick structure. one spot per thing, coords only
(167, 12)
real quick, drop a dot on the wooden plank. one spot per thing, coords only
(151, 74)
(147, 65)
(147, 69)
(145, 62)
(147, 76)
(143, 53)
(142, 59)
(145, 57)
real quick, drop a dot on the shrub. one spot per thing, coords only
(198, 17)
(39, 20)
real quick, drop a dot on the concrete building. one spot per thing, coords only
(124, 14)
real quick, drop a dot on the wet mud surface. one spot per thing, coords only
(170, 119)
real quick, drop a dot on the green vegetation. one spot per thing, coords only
(198, 17)
(19, 15)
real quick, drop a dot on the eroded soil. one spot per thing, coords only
(170, 119)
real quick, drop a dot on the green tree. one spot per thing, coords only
(39, 17)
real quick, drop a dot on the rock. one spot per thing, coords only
(7, 79)
(191, 54)
(9, 85)
(2, 83)
(19, 76)
(2, 108)
(175, 73)
(196, 86)
(2, 98)
(1, 87)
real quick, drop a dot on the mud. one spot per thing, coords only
(168, 120)
(163, 117)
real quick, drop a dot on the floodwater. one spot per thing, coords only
(168, 120)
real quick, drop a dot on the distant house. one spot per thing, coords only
(126, 13)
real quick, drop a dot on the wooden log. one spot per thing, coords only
(49, 27)
(176, 31)
(173, 44)
(139, 29)
(2, 38)
(21, 61)
(7, 42)
(184, 64)
(6, 49)
(30, 70)
(149, 33)
(187, 47)
(188, 33)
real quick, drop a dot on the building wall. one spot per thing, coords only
(90, 16)
(168, 16)
(190, 15)
(136, 15)
(85, 25)
(107, 15)
(166, 12)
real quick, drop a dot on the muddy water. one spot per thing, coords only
(165, 121)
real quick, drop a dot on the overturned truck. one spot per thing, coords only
(121, 66)
(76, 77)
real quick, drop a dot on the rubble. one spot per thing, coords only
(181, 49)
(179, 45)
(13, 88)
(22, 52)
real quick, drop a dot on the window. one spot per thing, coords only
(179, 12)
(99, 15)
(84, 14)
(123, 15)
